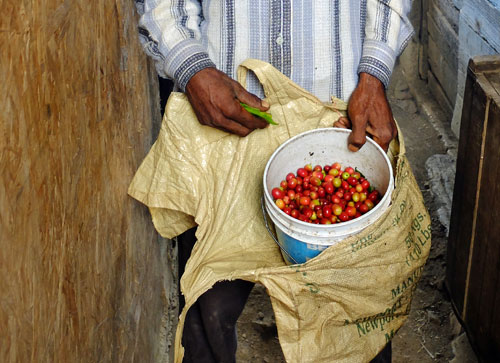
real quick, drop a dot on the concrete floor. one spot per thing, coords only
(432, 333)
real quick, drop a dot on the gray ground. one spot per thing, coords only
(432, 333)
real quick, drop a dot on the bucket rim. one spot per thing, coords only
(339, 225)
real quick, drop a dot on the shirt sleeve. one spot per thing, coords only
(387, 32)
(169, 31)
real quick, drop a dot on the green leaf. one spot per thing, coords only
(255, 111)
(360, 173)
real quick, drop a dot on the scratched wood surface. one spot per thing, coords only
(473, 260)
(83, 276)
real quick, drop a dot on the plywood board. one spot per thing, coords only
(83, 275)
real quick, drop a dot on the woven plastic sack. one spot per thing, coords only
(342, 306)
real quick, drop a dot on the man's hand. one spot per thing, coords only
(369, 114)
(216, 98)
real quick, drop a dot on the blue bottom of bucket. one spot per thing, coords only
(295, 251)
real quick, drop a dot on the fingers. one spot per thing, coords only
(234, 128)
(234, 111)
(370, 114)
(250, 99)
(357, 137)
(234, 119)
(382, 127)
(384, 137)
(243, 116)
(343, 123)
(220, 122)
(215, 98)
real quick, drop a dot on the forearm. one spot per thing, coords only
(387, 32)
(170, 35)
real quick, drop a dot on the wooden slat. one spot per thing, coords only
(439, 93)
(494, 335)
(485, 63)
(444, 33)
(444, 72)
(485, 261)
(474, 43)
(484, 19)
(494, 79)
(449, 11)
(464, 194)
(473, 263)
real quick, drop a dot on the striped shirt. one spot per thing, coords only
(322, 45)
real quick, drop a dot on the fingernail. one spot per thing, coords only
(353, 148)
(264, 103)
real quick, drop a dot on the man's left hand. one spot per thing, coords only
(369, 114)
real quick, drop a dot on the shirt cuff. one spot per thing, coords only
(378, 59)
(185, 60)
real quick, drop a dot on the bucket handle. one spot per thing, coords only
(264, 214)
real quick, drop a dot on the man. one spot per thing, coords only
(341, 48)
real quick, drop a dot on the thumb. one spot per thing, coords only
(357, 137)
(251, 99)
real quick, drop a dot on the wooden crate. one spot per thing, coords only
(473, 258)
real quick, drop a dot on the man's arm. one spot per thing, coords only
(387, 32)
(170, 34)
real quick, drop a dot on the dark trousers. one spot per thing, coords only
(210, 327)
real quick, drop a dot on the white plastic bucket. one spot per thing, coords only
(301, 241)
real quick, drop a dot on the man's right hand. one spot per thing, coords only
(216, 98)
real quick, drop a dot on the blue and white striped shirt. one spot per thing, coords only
(322, 45)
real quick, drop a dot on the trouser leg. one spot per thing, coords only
(210, 326)
(194, 340)
(220, 308)
(385, 355)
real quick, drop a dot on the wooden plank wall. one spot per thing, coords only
(442, 20)
(83, 275)
(479, 34)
